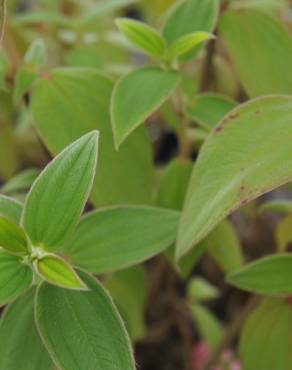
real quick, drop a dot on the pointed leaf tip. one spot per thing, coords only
(12, 237)
(58, 272)
(58, 195)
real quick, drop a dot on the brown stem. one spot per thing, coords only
(208, 75)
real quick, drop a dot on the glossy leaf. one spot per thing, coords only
(56, 271)
(143, 36)
(10, 208)
(268, 275)
(250, 36)
(74, 96)
(187, 42)
(190, 16)
(56, 199)
(21, 347)
(12, 237)
(266, 335)
(136, 96)
(208, 109)
(15, 278)
(113, 238)
(82, 329)
(221, 183)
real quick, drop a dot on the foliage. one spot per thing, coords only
(141, 143)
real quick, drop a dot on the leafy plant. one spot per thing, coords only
(140, 146)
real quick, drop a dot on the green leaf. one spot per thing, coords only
(268, 275)
(12, 237)
(24, 78)
(96, 11)
(209, 326)
(56, 271)
(128, 289)
(136, 96)
(114, 238)
(47, 17)
(279, 206)
(200, 289)
(20, 182)
(283, 233)
(143, 36)
(250, 35)
(86, 331)
(84, 56)
(78, 101)
(224, 246)
(15, 277)
(221, 183)
(266, 335)
(190, 16)
(174, 183)
(56, 199)
(36, 54)
(10, 208)
(187, 42)
(21, 346)
(208, 109)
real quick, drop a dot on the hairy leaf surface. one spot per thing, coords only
(136, 96)
(21, 347)
(74, 101)
(113, 238)
(57, 197)
(82, 330)
(236, 164)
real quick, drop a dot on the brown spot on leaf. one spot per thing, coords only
(233, 116)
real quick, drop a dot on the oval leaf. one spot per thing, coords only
(65, 93)
(136, 96)
(143, 36)
(266, 337)
(268, 275)
(114, 238)
(190, 16)
(279, 206)
(10, 208)
(221, 183)
(21, 346)
(174, 183)
(15, 277)
(208, 109)
(12, 237)
(56, 199)
(82, 329)
(186, 43)
(56, 271)
(250, 36)
(20, 182)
